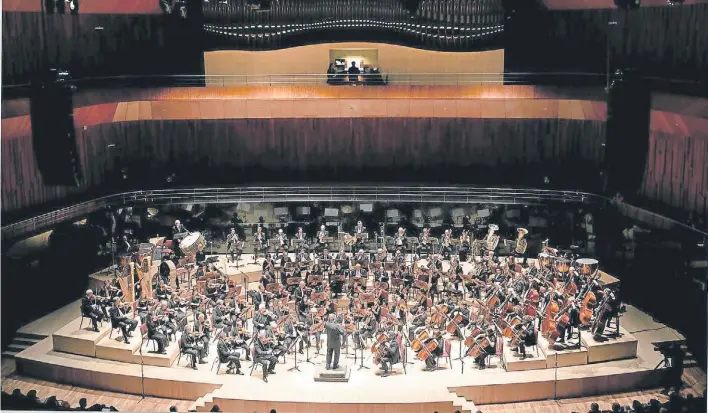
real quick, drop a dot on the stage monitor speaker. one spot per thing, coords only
(627, 132)
(53, 133)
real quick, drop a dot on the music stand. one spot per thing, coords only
(292, 345)
(361, 361)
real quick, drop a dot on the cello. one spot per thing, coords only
(589, 303)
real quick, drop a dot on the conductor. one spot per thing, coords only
(334, 341)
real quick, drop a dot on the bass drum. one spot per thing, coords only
(192, 243)
(588, 266)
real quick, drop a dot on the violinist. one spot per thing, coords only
(456, 273)
(220, 315)
(290, 332)
(162, 317)
(321, 242)
(282, 240)
(143, 308)
(234, 246)
(391, 355)
(202, 330)
(366, 331)
(188, 345)
(262, 319)
(155, 332)
(431, 360)
(90, 309)
(303, 310)
(120, 320)
(264, 355)
(179, 314)
(112, 289)
(240, 337)
(228, 355)
(261, 297)
(162, 293)
(400, 240)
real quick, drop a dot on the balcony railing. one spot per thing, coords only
(398, 194)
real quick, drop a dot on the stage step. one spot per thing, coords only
(30, 336)
(462, 404)
(535, 359)
(26, 341)
(340, 375)
(17, 347)
(9, 354)
(615, 347)
(561, 355)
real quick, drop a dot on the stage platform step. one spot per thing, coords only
(610, 348)
(562, 354)
(114, 348)
(81, 341)
(10, 354)
(150, 358)
(533, 361)
(29, 336)
(26, 341)
(340, 375)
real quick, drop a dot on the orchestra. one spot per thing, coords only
(418, 299)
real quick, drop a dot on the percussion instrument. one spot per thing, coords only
(562, 265)
(123, 259)
(588, 266)
(545, 259)
(192, 243)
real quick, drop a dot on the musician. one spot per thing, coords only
(262, 319)
(178, 228)
(435, 262)
(326, 255)
(264, 355)
(303, 310)
(188, 345)
(203, 328)
(155, 332)
(260, 240)
(336, 284)
(335, 332)
(456, 273)
(424, 241)
(359, 272)
(282, 240)
(228, 355)
(260, 297)
(120, 320)
(419, 318)
(361, 256)
(162, 293)
(366, 331)
(391, 356)
(300, 235)
(434, 279)
(491, 240)
(233, 245)
(90, 308)
(432, 360)
(220, 315)
(464, 311)
(143, 308)
(162, 317)
(464, 245)
(321, 234)
(299, 292)
(528, 335)
(489, 350)
(290, 333)
(400, 240)
(574, 321)
(179, 314)
(519, 250)
(113, 289)
(446, 244)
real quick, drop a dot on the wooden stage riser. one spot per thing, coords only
(169, 389)
(566, 388)
(229, 405)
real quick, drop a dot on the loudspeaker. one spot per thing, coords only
(53, 134)
(627, 132)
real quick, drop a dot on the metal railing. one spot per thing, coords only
(277, 194)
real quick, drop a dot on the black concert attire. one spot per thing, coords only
(393, 355)
(119, 320)
(298, 294)
(458, 276)
(142, 309)
(177, 229)
(365, 332)
(401, 242)
(489, 350)
(425, 246)
(432, 359)
(228, 356)
(574, 321)
(179, 315)
(334, 344)
(165, 272)
(89, 309)
(188, 346)
(265, 356)
(154, 333)
(261, 322)
(290, 335)
(465, 313)
(434, 278)
(220, 317)
(240, 339)
(528, 338)
(162, 294)
(200, 328)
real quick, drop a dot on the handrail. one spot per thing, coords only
(355, 193)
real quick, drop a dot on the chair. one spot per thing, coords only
(446, 353)
(144, 335)
(81, 325)
(254, 363)
(216, 360)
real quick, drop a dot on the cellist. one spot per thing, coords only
(431, 360)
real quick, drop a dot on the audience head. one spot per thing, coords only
(173, 408)
(273, 411)
(594, 408)
(83, 402)
(32, 394)
(215, 408)
(616, 408)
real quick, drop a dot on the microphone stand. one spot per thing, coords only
(142, 371)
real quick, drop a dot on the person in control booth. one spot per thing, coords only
(353, 72)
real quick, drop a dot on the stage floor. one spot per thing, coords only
(444, 390)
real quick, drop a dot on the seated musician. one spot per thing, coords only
(143, 308)
(464, 245)
(419, 318)
(321, 242)
(400, 240)
(290, 333)
(464, 311)
(155, 332)
(361, 256)
(90, 308)
(188, 345)
(528, 335)
(366, 331)
(299, 292)
(261, 297)
(424, 241)
(179, 312)
(326, 255)
(220, 315)
(435, 262)
(262, 320)
(162, 293)
(203, 328)
(434, 279)
(163, 316)
(359, 230)
(178, 229)
(391, 356)
(164, 270)
(489, 350)
(432, 360)
(228, 355)
(240, 336)
(400, 257)
(359, 272)
(113, 288)
(342, 255)
(264, 355)
(456, 273)
(446, 243)
(120, 320)
(381, 255)
(303, 310)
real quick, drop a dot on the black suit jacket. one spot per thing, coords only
(86, 308)
(116, 316)
(224, 351)
(334, 335)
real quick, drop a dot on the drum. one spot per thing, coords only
(562, 265)
(545, 259)
(192, 243)
(124, 259)
(588, 266)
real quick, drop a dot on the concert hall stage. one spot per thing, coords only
(117, 367)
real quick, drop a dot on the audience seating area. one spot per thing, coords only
(18, 401)
(676, 404)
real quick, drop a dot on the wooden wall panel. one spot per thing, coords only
(124, 45)
(315, 149)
